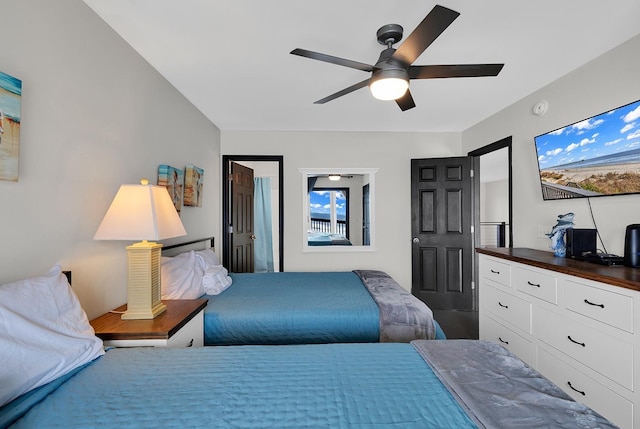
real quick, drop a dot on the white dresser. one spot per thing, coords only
(575, 322)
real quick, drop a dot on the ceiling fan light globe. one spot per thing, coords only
(390, 88)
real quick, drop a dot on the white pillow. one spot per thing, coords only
(44, 333)
(207, 259)
(181, 277)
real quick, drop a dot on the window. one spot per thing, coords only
(329, 210)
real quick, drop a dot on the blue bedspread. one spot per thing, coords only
(297, 386)
(292, 308)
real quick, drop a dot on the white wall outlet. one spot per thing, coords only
(543, 231)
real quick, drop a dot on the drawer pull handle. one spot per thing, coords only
(573, 388)
(576, 342)
(595, 305)
(533, 284)
(495, 272)
(502, 305)
(503, 341)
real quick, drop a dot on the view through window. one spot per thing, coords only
(329, 210)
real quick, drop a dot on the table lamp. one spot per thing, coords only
(142, 212)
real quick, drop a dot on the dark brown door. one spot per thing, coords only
(441, 218)
(241, 219)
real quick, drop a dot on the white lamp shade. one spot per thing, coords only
(140, 212)
(389, 88)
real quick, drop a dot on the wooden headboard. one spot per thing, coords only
(199, 244)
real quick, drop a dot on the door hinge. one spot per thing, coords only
(230, 229)
(473, 285)
(230, 177)
(471, 173)
(473, 229)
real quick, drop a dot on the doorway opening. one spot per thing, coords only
(264, 166)
(493, 190)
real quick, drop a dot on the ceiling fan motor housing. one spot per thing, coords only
(389, 34)
(388, 67)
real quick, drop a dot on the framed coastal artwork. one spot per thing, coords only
(173, 179)
(10, 97)
(193, 182)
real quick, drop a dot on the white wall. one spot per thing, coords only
(95, 115)
(607, 82)
(495, 201)
(391, 153)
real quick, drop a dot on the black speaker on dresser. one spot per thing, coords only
(632, 246)
(580, 241)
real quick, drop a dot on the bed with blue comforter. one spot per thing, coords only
(316, 307)
(389, 385)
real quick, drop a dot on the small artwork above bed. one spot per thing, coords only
(173, 179)
(10, 95)
(193, 183)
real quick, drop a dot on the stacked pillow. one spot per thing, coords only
(44, 333)
(191, 274)
(181, 277)
(215, 278)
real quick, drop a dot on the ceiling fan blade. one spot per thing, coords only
(344, 91)
(425, 33)
(406, 101)
(333, 60)
(456, 70)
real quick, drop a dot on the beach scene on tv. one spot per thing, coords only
(598, 156)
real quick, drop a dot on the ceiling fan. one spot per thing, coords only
(390, 75)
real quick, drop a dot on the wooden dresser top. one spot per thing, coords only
(616, 275)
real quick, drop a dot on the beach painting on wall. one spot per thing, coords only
(598, 156)
(173, 179)
(10, 95)
(193, 177)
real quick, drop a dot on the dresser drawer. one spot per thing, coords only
(493, 270)
(609, 356)
(584, 389)
(492, 330)
(605, 306)
(536, 283)
(507, 307)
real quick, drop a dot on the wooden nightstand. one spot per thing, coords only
(181, 325)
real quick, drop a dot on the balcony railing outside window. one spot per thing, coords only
(493, 234)
(324, 225)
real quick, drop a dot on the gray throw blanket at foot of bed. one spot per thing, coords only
(403, 317)
(498, 390)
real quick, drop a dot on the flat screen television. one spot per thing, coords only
(598, 156)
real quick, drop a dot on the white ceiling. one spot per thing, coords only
(231, 58)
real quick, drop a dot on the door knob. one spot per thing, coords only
(252, 236)
(416, 240)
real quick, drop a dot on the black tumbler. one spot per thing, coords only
(632, 246)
